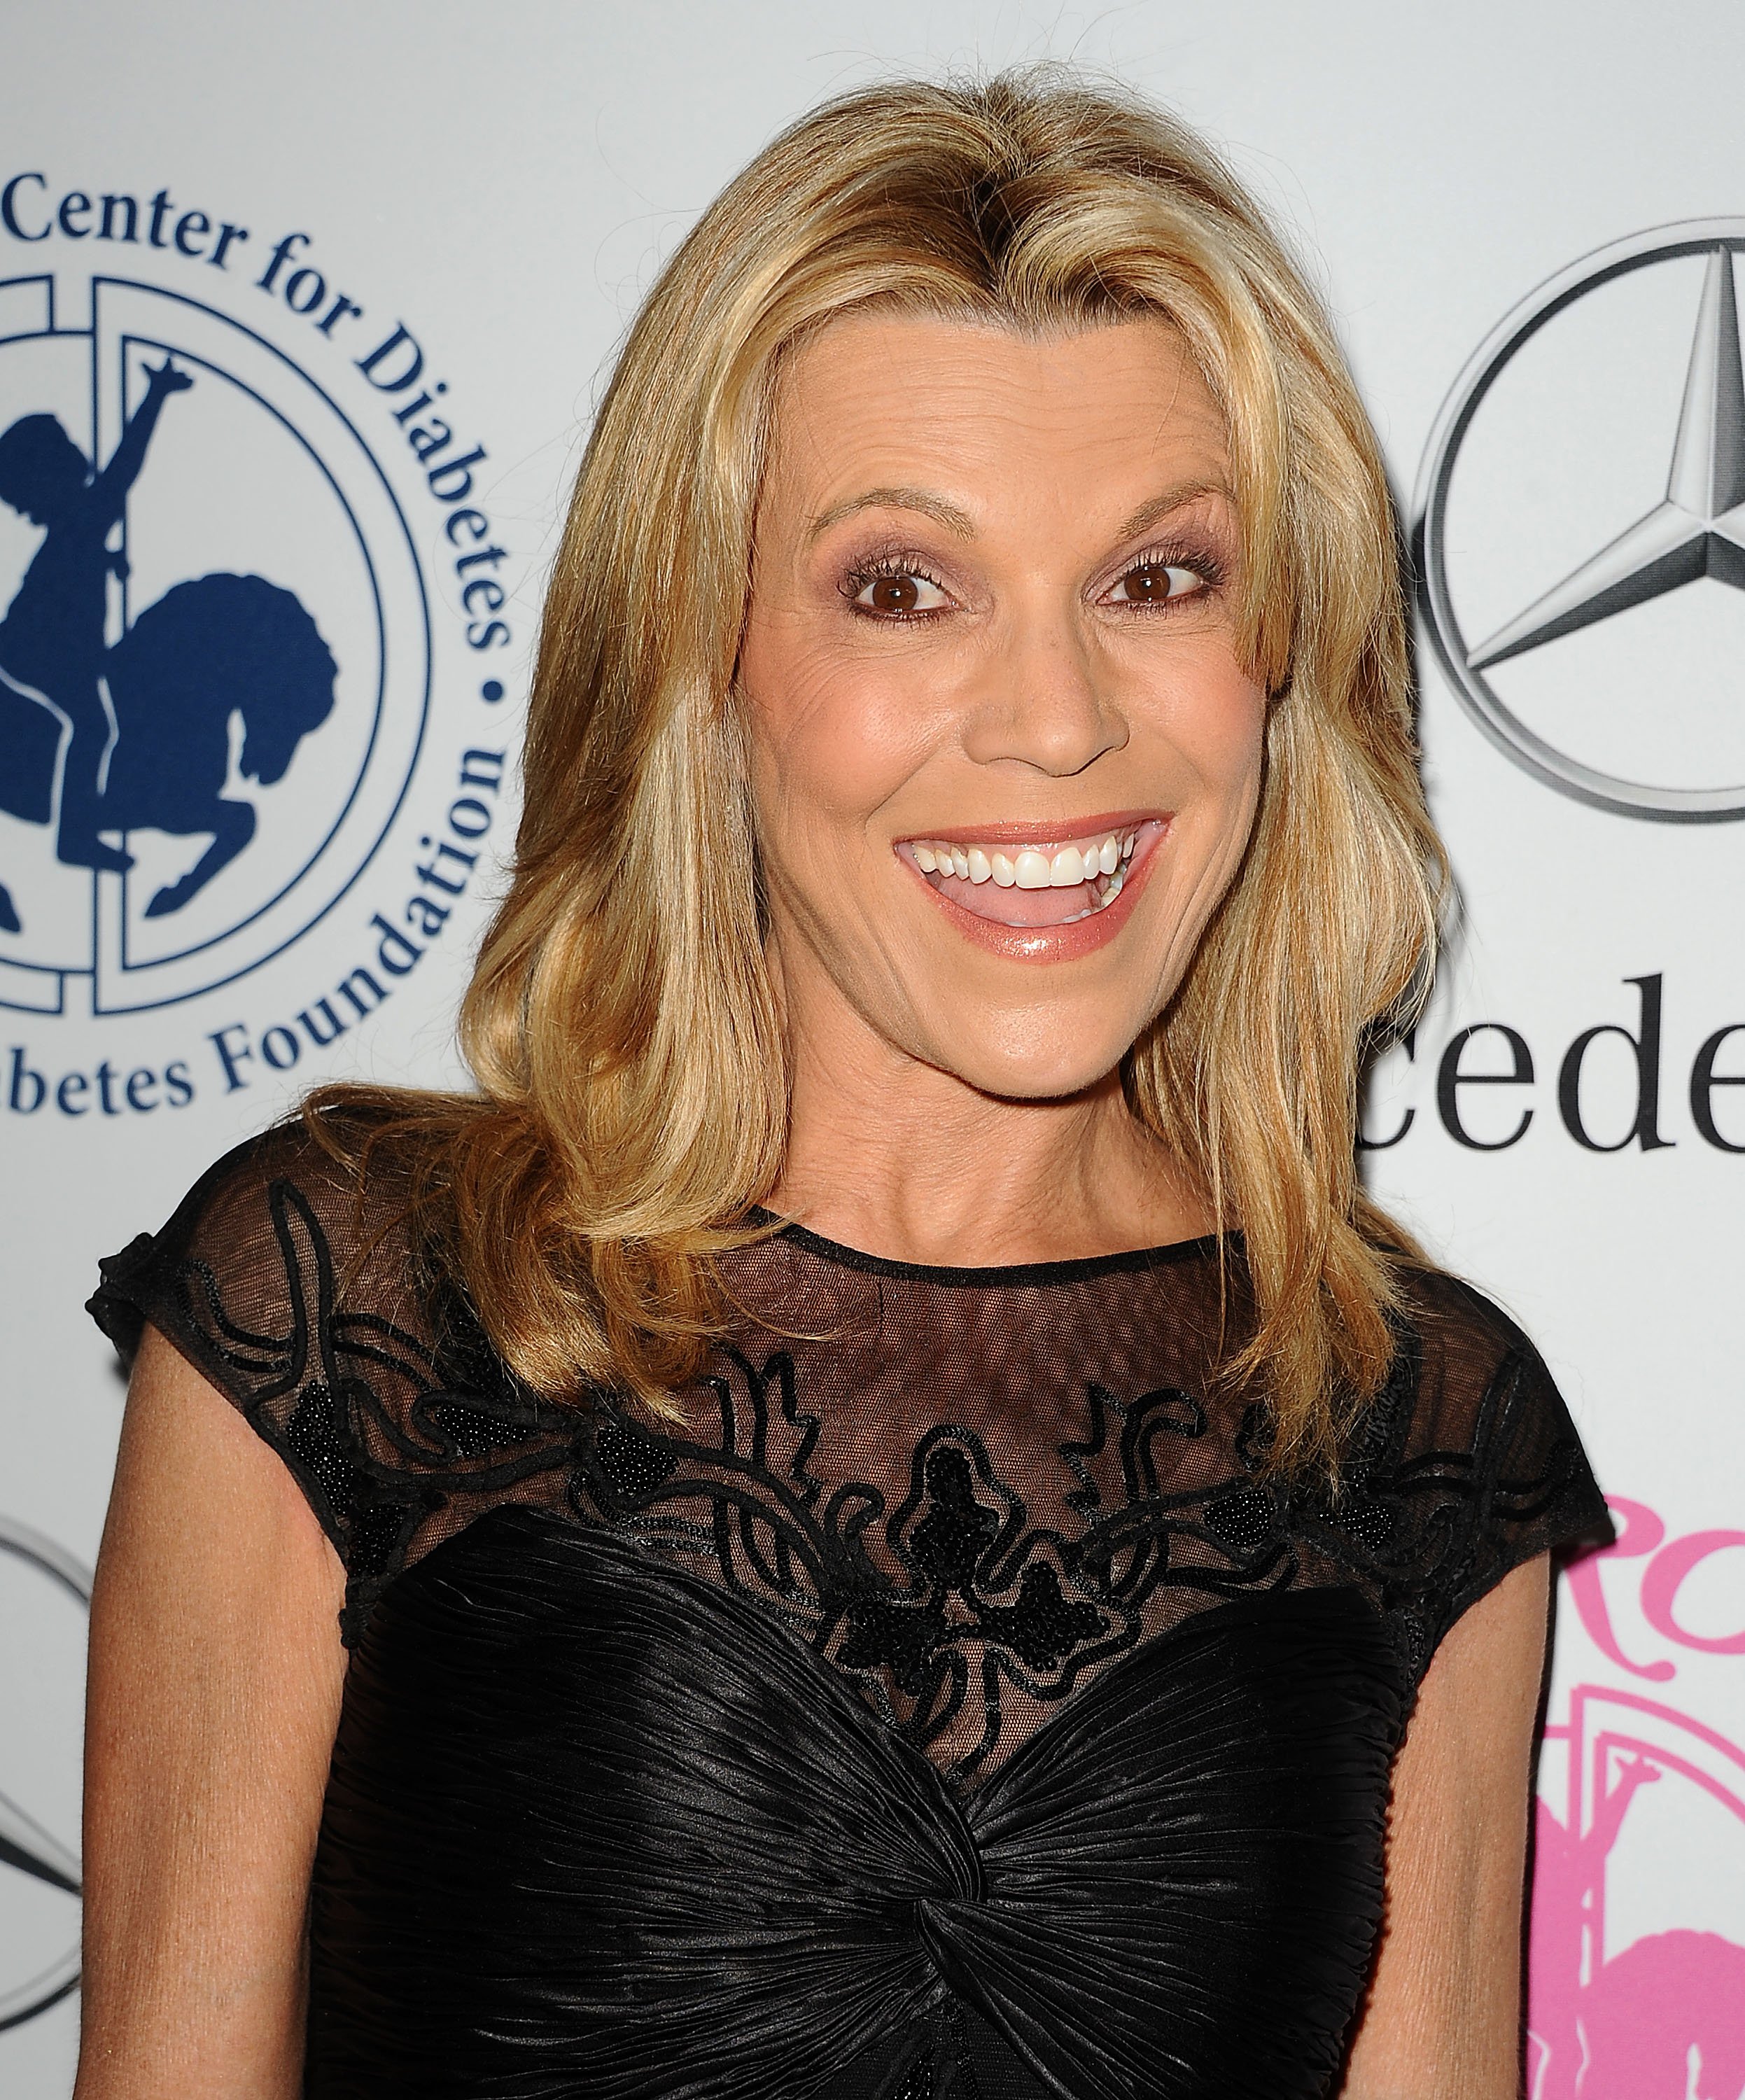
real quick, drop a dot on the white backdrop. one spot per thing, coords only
(485, 193)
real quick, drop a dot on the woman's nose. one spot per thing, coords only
(1041, 701)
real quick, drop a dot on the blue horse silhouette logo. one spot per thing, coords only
(98, 740)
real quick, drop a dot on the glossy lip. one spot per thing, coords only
(1051, 944)
(1068, 832)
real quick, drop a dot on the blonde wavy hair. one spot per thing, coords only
(632, 1101)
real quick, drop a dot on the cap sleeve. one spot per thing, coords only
(299, 1291)
(1493, 1449)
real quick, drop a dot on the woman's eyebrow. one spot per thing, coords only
(1172, 499)
(958, 521)
(954, 519)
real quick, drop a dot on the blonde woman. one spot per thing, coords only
(875, 1514)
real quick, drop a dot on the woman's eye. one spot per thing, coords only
(1157, 583)
(899, 593)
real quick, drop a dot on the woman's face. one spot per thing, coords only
(1005, 755)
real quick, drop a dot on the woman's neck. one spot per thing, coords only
(892, 1156)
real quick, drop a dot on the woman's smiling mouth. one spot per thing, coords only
(1031, 879)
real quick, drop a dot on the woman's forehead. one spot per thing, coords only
(879, 398)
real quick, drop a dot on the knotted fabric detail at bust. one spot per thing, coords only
(598, 1826)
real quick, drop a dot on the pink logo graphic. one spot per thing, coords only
(1665, 2018)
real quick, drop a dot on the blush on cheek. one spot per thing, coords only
(831, 739)
(1226, 746)
(1217, 713)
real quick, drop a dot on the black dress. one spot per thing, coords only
(953, 1706)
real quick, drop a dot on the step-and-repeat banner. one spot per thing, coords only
(302, 313)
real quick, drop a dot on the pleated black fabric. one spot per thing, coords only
(952, 1704)
(597, 1828)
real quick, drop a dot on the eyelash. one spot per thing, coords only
(1199, 561)
(1205, 565)
(894, 564)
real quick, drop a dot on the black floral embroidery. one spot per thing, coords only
(984, 1598)
(943, 1599)
(362, 1408)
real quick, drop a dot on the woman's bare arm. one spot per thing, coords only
(1442, 2020)
(215, 1676)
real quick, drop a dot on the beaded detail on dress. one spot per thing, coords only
(968, 1491)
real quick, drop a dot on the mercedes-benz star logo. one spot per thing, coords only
(30, 1984)
(1697, 529)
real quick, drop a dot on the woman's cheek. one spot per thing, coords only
(1218, 721)
(854, 739)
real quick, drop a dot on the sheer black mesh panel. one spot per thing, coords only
(968, 1489)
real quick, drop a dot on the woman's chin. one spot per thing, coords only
(1035, 1072)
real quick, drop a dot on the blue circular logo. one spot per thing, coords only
(215, 653)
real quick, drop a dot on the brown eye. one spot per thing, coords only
(894, 594)
(898, 594)
(1157, 583)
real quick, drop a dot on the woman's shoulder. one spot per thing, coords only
(1468, 1462)
(1455, 1315)
(1469, 1361)
(274, 1236)
(302, 1275)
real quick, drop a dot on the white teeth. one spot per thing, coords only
(1104, 863)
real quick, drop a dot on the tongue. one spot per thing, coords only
(1016, 907)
